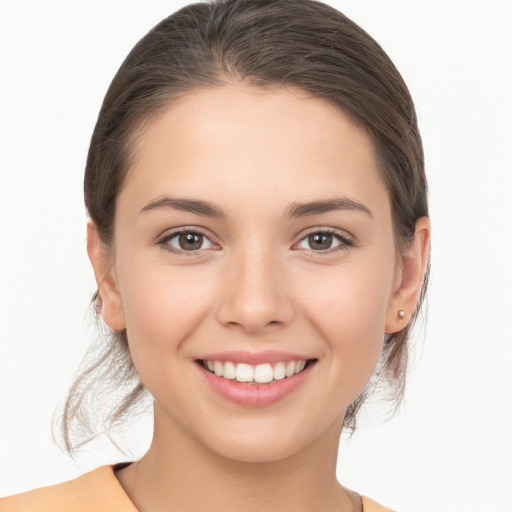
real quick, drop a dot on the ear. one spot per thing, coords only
(409, 278)
(110, 299)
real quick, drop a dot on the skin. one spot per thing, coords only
(255, 284)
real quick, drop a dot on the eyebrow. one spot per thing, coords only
(185, 205)
(330, 205)
(294, 210)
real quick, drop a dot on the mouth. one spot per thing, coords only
(259, 374)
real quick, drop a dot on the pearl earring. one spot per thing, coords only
(401, 313)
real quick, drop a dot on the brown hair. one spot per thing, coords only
(301, 43)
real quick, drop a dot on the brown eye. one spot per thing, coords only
(324, 241)
(320, 241)
(188, 241)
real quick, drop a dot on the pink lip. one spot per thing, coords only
(254, 395)
(253, 358)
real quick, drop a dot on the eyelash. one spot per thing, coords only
(164, 242)
(344, 241)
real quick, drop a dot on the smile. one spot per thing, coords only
(257, 374)
(272, 377)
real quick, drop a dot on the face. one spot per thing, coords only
(253, 238)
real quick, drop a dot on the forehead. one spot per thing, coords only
(242, 141)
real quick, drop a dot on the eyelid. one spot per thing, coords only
(346, 239)
(162, 240)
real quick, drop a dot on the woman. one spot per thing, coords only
(259, 235)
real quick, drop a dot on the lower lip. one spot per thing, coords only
(255, 395)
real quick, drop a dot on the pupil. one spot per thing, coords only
(191, 241)
(320, 241)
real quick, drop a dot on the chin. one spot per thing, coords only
(267, 442)
(251, 451)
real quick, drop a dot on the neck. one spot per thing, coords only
(179, 473)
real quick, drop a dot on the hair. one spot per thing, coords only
(303, 44)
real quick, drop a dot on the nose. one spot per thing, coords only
(255, 296)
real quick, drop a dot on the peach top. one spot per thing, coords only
(96, 491)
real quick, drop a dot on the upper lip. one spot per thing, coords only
(254, 358)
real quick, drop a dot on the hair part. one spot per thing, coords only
(303, 44)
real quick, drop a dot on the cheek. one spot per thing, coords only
(349, 303)
(350, 315)
(162, 308)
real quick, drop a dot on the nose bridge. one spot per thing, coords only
(255, 293)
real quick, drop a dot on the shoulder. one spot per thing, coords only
(96, 491)
(372, 506)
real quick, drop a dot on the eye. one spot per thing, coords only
(188, 241)
(320, 241)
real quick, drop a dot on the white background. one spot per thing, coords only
(449, 449)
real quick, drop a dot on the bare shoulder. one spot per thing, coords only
(372, 506)
(96, 491)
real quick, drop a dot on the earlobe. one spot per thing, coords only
(110, 299)
(408, 288)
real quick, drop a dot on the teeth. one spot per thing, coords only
(244, 372)
(229, 371)
(300, 366)
(290, 369)
(261, 373)
(279, 371)
(218, 368)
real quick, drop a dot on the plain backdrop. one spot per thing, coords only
(449, 448)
